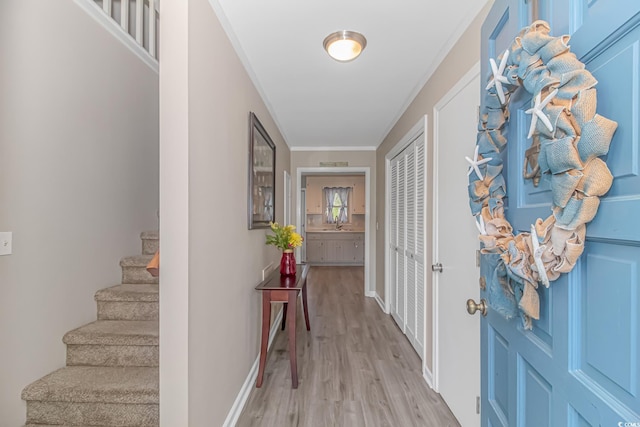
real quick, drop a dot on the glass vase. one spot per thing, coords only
(288, 263)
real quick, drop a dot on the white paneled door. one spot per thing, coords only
(457, 335)
(579, 365)
(406, 239)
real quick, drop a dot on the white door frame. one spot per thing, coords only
(287, 198)
(420, 127)
(369, 263)
(435, 276)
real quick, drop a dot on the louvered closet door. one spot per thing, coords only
(419, 257)
(407, 242)
(393, 249)
(410, 242)
(401, 266)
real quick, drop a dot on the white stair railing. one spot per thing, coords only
(140, 22)
(124, 14)
(133, 22)
(152, 29)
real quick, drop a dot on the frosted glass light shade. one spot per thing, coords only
(344, 46)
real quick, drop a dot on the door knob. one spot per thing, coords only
(436, 267)
(472, 307)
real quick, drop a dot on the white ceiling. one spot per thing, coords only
(318, 102)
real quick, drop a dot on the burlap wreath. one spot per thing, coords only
(572, 138)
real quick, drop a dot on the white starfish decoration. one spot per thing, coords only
(537, 256)
(475, 163)
(537, 113)
(498, 77)
(480, 225)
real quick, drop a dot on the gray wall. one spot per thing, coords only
(78, 179)
(465, 53)
(210, 320)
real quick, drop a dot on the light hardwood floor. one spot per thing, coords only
(355, 367)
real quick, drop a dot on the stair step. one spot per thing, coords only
(128, 302)
(150, 242)
(113, 343)
(134, 270)
(86, 395)
(92, 414)
(129, 385)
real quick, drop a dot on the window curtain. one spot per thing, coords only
(328, 195)
(336, 198)
(343, 193)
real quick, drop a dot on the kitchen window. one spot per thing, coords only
(336, 202)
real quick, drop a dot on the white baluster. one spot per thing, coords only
(106, 6)
(152, 28)
(124, 15)
(139, 21)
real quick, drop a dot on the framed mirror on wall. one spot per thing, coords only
(262, 175)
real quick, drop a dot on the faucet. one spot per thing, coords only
(338, 225)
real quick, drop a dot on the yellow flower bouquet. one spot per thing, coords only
(284, 237)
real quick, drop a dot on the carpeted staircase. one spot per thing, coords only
(111, 377)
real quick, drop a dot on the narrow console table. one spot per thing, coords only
(285, 289)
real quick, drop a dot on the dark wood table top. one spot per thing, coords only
(277, 282)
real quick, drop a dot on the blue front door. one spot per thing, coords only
(580, 364)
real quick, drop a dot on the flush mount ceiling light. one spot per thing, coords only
(344, 46)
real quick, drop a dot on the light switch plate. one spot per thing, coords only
(6, 238)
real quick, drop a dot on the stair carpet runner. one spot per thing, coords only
(111, 377)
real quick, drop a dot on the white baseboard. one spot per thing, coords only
(428, 377)
(249, 383)
(380, 302)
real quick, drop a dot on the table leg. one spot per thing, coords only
(284, 315)
(293, 296)
(266, 322)
(304, 306)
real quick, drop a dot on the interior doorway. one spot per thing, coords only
(362, 214)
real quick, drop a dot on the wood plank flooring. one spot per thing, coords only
(355, 367)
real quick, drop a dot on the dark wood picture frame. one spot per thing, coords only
(262, 176)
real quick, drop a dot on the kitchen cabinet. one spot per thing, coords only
(358, 200)
(358, 249)
(315, 249)
(313, 197)
(335, 248)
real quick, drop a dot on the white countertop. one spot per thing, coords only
(333, 230)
